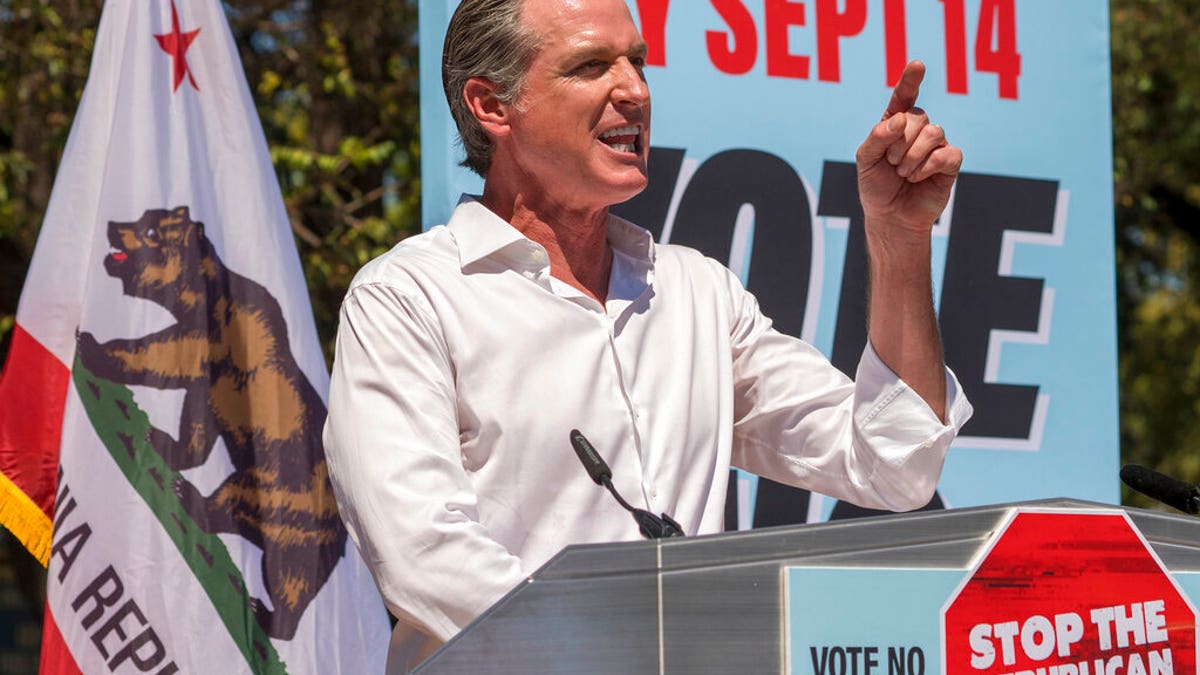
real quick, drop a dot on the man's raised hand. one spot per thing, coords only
(905, 166)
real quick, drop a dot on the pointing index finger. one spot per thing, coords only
(904, 96)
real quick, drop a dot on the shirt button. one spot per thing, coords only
(653, 492)
(538, 256)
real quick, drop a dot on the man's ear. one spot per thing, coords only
(489, 110)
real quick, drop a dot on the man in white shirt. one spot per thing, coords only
(467, 354)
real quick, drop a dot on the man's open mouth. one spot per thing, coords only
(622, 139)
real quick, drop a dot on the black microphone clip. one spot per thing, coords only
(656, 527)
(650, 525)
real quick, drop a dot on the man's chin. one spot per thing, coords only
(630, 189)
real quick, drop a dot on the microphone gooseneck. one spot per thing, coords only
(650, 525)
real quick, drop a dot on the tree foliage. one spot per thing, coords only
(1156, 120)
(45, 52)
(336, 88)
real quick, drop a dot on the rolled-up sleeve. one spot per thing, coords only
(908, 440)
(872, 441)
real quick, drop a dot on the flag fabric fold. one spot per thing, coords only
(162, 402)
(31, 402)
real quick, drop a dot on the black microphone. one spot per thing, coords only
(1169, 491)
(650, 525)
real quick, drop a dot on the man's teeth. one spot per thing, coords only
(620, 131)
(629, 134)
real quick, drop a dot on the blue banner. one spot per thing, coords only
(759, 106)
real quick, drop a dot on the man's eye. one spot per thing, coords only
(638, 62)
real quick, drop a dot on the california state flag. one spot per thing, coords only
(162, 402)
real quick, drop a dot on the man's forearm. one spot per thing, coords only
(902, 323)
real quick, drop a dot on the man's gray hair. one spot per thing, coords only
(485, 39)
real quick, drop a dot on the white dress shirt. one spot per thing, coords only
(462, 366)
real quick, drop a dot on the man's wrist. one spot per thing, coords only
(898, 253)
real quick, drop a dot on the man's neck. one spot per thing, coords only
(576, 242)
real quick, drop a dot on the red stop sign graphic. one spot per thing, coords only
(1069, 593)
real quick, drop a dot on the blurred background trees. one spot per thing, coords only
(336, 88)
(1156, 130)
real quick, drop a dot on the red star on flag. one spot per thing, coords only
(176, 44)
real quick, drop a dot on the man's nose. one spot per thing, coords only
(631, 85)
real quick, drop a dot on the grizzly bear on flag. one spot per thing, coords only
(228, 350)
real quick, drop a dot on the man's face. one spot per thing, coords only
(580, 130)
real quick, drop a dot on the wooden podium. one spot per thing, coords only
(717, 604)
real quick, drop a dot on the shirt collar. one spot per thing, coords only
(631, 240)
(479, 233)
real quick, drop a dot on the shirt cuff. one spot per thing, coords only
(885, 400)
(909, 441)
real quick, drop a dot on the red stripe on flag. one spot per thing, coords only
(56, 658)
(33, 391)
